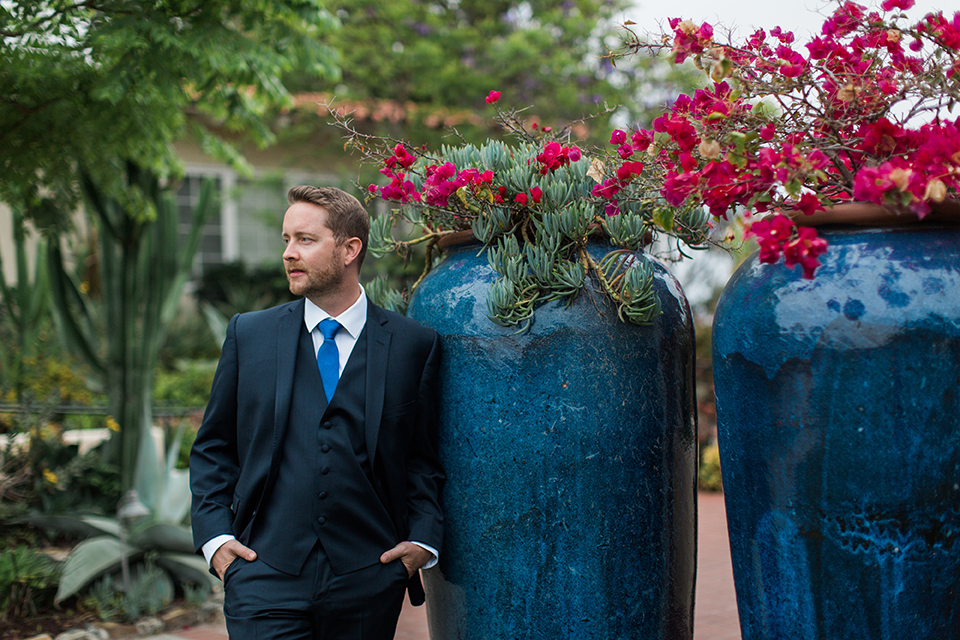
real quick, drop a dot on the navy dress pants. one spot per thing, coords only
(261, 603)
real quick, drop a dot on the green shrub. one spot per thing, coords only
(151, 590)
(28, 580)
(188, 385)
(188, 338)
(104, 599)
(50, 476)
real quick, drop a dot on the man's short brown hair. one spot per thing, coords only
(346, 217)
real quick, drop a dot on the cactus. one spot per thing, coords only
(26, 305)
(119, 330)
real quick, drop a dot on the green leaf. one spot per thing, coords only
(174, 501)
(663, 217)
(83, 526)
(187, 568)
(164, 536)
(89, 560)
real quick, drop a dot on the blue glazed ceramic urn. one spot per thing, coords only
(570, 453)
(838, 402)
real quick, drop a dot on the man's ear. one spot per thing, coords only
(351, 250)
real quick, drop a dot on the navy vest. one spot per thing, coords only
(325, 488)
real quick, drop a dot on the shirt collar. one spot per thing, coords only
(352, 320)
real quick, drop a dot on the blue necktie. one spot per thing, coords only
(328, 357)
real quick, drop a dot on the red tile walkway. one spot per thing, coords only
(715, 611)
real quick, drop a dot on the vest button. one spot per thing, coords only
(323, 495)
(322, 520)
(327, 425)
(325, 470)
(325, 448)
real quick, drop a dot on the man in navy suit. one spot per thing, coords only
(314, 474)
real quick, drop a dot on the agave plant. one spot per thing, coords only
(159, 536)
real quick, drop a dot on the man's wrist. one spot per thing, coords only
(435, 555)
(210, 546)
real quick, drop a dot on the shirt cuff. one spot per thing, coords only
(210, 546)
(432, 562)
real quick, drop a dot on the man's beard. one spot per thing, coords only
(317, 282)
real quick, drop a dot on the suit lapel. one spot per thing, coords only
(288, 339)
(378, 349)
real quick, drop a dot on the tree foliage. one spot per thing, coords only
(445, 54)
(84, 83)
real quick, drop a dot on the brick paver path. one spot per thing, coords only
(715, 615)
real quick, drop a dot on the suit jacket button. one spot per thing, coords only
(322, 520)
(325, 448)
(327, 425)
(325, 470)
(323, 495)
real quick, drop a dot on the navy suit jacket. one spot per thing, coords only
(235, 459)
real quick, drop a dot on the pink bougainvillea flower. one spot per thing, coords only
(804, 250)
(771, 234)
(618, 137)
(844, 20)
(400, 190)
(492, 97)
(882, 138)
(403, 157)
(677, 187)
(612, 208)
(536, 194)
(642, 139)
(786, 37)
(608, 188)
(554, 156)
(680, 130)
(809, 204)
(629, 170)
(792, 64)
(871, 184)
(903, 5)
(689, 39)
(521, 198)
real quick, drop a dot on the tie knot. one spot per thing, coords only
(329, 328)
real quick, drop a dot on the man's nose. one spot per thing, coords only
(288, 252)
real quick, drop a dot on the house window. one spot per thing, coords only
(261, 204)
(248, 226)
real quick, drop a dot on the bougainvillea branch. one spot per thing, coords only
(861, 112)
